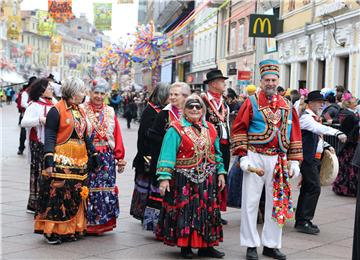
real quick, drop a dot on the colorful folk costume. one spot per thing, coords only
(141, 163)
(356, 240)
(63, 193)
(191, 160)
(36, 137)
(164, 119)
(217, 113)
(266, 133)
(104, 132)
(313, 147)
(347, 181)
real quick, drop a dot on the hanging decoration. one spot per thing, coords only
(102, 16)
(54, 60)
(56, 43)
(148, 45)
(112, 60)
(46, 25)
(74, 61)
(98, 42)
(14, 27)
(60, 10)
(125, 2)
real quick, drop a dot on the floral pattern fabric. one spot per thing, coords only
(37, 151)
(346, 182)
(190, 214)
(103, 204)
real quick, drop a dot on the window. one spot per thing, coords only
(232, 38)
(241, 35)
(223, 42)
(291, 5)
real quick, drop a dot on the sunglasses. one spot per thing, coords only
(191, 106)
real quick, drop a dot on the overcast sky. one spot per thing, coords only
(124, 19)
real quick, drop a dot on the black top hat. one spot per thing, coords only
(214, 74)
(30, 81)
(314, 96)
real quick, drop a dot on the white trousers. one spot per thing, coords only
(251, 193)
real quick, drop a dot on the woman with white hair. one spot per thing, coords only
(179, 91)
(104, 131)
(60, 214)
(191, 173)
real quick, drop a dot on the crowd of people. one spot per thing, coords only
(185, 143)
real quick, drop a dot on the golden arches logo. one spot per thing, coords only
(262, 25)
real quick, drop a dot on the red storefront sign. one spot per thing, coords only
(189, 79)
(244, 75)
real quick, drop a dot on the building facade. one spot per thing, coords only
(241, 49)
(320, 46)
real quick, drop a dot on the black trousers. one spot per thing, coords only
(309, 191)
(22, 136)
(225, 150)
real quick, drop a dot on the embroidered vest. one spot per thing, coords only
(264, 126)
(310, 142)
(216, 117)
(66, 123)
(194, 149)
(104, 129)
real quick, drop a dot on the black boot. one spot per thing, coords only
(251, 253)
(210, 252)
(273, 253)
(307, 227)
(186, 253)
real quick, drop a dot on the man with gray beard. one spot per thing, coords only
(266, 135)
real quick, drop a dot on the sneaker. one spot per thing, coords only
(52, 240)
(30, 211)
(20, 152)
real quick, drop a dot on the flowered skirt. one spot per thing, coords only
(63, 193)
(234, 185)
(346, 182)
(190, 213)
(103, 206)
(140, 194)
(36, 154)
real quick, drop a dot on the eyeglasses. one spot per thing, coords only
(192, 106)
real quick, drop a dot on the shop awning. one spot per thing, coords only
(11, 77)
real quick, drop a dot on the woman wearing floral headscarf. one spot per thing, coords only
(104, 132)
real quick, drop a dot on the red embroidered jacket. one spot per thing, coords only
(240, 136)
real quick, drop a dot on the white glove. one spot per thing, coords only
(342, 137)
(294, 169)
(245, 163)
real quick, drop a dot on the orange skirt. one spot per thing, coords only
(70, 227)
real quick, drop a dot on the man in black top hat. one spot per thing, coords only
(313, 147)
(217, 113)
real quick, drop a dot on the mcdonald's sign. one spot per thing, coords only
(266, 26)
